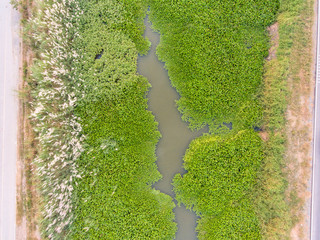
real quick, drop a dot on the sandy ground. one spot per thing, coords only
(27, 196)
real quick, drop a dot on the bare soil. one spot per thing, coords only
(27, 217)
(274, 38)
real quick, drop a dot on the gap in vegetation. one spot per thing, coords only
(175, 133)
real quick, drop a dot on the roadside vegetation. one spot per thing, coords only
(27, 195)
(54, 94)
(287, 103)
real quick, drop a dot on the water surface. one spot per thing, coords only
(176, 135)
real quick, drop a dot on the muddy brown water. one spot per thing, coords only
(176, 135)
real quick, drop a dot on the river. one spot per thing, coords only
(176, 135)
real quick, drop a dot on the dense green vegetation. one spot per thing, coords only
(221, 174)
(96, 140)
(214, 52)
(96, 158)
(114, 198)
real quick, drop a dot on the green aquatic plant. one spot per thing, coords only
(115, 198)
(96, 151)
(214, 52)
(221, 176)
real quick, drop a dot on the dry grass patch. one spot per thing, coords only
(27, 195)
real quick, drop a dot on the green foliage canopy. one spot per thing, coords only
(114, 198)
(214, 53)
(221, 174)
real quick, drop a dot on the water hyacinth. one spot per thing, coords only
(54, 97)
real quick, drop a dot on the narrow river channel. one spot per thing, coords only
(176, 135)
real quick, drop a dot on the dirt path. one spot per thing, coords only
(27, 196)
(300, 125)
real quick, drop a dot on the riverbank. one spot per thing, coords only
(288, 94)
(296, 53)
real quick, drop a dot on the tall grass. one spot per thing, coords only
(278, 204)
(96, 139)
(54, 95)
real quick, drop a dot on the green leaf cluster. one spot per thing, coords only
(220, 178)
